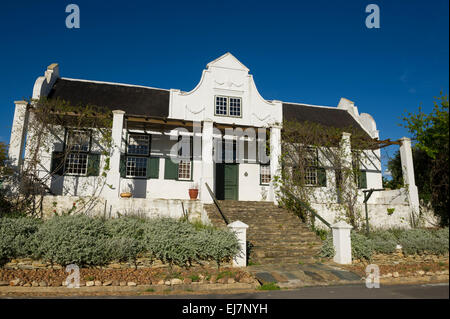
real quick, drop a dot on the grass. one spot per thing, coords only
(269, 286)
(149, 290)
(194, 277)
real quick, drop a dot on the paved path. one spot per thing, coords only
(301, 275)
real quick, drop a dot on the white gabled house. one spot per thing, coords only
(222, 115)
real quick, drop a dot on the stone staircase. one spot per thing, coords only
(275, 234)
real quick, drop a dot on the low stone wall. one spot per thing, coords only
(124, 206)
(379, 217)
(144, 262)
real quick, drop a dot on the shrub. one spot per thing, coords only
(171, 241)
(15, 234)
(127, 233)
(76, 239)
(218, 245)
(327, 249)
(362, 247)
(179, 243)
(420, 241)
(384, 242)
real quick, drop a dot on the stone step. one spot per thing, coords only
(276, 235)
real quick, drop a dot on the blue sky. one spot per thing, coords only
(298, 51)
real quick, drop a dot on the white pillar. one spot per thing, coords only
(346, 150)
(342, 243)
(207, 161)
(408, 173)
(18, 133)
(240, 229)
(113, 177)
(275, 153)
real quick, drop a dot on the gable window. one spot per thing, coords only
(235, 106)
(138, 149)
(78, 146)
(228, 106)
(265, 174)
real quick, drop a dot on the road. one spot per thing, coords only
(424, 291)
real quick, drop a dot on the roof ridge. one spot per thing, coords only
(113, 83)
(313, 105)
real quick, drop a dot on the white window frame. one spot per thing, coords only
(137, 158)
(78, 151)
(180, 164)
(227, 106)
(265, 166)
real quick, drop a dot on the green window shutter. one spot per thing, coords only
(170, 169)
(57, 164)
(123, 163)
(153, 167)
(362, 179)
(93, 165)
(322, 177)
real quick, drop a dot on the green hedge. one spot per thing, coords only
(83, 240)
(15, 234)
(413, 241)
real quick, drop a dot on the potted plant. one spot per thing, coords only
(127, 193)
(193, 191)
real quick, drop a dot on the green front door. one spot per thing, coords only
(227, 181)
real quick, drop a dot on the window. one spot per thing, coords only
(265, 174)
(184, 170)
(221, 105)
(228, 106)
(136, 166)
(311, 176)
(235, 106)
(76, 164)
(138, 144)
(138, 147)
(78, 146)
(78, 140)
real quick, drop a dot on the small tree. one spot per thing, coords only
(431, 133)
(48, 121)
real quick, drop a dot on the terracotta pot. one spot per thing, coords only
(125, 195)
(193, 193)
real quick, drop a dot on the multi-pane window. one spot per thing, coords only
(136, 166)
(184, 170)
(138, 144)
(228, 106)
(311, 176)
(138, 148)
(235, 106)
(76, 164)
(78, 140)
(221, 105)
(78, 146)
(265, 174)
